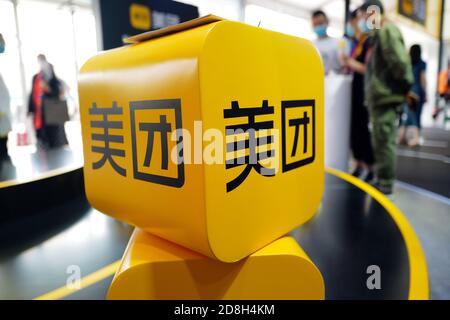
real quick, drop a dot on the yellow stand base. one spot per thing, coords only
(153, 268)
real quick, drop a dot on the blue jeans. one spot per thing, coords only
(408, 117)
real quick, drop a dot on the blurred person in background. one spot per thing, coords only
(351, 36)
(5, 112)
(351, 33)
(328, 47)
(2, 44)
(388, 80)
(46, 85)
(35, 99)
(443, 90)
(5, 118)
(412, 110)
(351, 28)
(444, 83)
(360, 139)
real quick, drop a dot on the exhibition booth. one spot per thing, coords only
(202, 163)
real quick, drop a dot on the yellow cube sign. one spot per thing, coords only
(208, 134)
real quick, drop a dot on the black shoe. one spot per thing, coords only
(369, 177)
(387, 191)
(357, 172)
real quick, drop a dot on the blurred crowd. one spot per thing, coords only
(388, 88)
(388, 92)
(47, 108)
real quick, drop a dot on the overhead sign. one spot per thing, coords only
(415, 10)
(124, 18)
(209, 137)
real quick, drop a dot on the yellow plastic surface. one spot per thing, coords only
(197, 74)
(153, 268)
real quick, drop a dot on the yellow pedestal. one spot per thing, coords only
(153, 268)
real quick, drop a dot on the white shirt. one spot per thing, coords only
(329, 50)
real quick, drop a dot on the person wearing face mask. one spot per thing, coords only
(360, 138)
(388, 79)
(45, 85)
(35, 98)
(351, 35)
(351, 29)
(327, 46)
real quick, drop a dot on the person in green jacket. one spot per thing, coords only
(388, 79)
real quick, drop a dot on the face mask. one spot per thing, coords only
(362, 25)
(349, 30)
(2, 46)
(46, 70)
(320, 30)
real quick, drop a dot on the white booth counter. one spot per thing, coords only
(337, 120)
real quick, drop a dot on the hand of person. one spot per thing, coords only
(45, 87)
(344, 59)
(411, 100)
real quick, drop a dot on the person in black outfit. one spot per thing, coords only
(46, 86)
(360, 140)
(56, 135)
